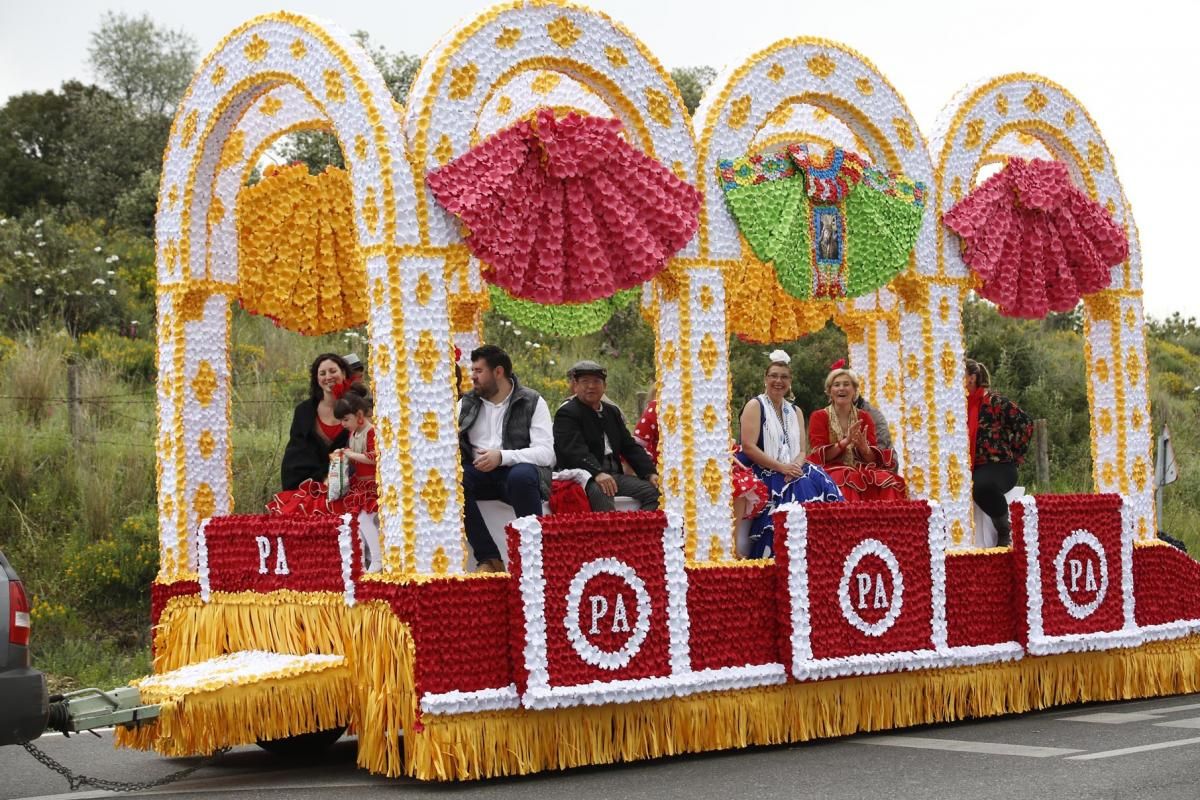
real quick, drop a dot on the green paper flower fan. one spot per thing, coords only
(831, 228)
(570, 319)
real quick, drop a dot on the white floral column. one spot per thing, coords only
(412, 359)
(693, 389)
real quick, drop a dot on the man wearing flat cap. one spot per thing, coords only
(590, 434)
(357, 368)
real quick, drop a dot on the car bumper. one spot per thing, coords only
(23, 705)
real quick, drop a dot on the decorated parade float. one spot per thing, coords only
(546, 166)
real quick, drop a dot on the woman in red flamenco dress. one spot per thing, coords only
(842, 440)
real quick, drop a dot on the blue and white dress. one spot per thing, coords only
(781, 436)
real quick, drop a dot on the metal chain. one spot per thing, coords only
(76, 781)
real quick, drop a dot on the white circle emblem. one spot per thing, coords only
(1089, 540)
(876, 548)
(587, 651)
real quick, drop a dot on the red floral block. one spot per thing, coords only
(163, 593)
(460, 629)
(266, 552)
(733, 615)
(1077, 555)
(1037, 242)
(596, 586)
(979, 605)
(602, 603)
(1166, 586)
(566, 210)
(864, 586)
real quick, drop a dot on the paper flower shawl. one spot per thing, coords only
(833, 227)
(1035, 240)
(565, 210)
(299, 261)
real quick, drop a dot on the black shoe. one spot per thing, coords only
(1003, 532)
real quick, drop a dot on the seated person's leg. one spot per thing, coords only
(597, 499)
(642, 491)
(479, 486)
(523, 489)
(988, 485)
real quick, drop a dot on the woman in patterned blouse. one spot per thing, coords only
(999, 433)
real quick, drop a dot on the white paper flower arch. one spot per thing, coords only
(809, 89)
(276, 73)
(1028, 115)
(456, 100)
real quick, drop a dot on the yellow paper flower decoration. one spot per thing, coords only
(299, 261)
(761, 311)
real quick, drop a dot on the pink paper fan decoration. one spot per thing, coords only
(1035, 240)
(565, 210)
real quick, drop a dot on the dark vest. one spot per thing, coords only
(517, 419)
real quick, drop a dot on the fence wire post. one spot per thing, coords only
(74, 409)
(1042, 437)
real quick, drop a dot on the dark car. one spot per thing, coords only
(23, 702)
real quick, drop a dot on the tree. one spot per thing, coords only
(31, 149)
(147, 66)
(692, 81)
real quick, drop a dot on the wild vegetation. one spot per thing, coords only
(78, 177)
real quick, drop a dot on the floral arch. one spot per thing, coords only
(1031, 116)
(818, 90)
(501, 65)
(276, 73)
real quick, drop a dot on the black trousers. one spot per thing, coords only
(989, 483)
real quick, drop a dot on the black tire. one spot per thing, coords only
(303, 745)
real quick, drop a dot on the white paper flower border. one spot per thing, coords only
(804, 667)
(1084, 537)
(611, 660)
(1128, 635)
(884, 553)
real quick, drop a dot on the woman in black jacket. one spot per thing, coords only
(316, 431)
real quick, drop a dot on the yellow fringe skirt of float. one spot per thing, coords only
(381, 657)
(229, 701)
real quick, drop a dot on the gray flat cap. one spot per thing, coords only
(586, 367)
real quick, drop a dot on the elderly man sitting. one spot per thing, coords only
(590, 434)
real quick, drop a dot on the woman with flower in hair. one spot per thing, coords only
(316, 430)
(842, 439)
(774, 447)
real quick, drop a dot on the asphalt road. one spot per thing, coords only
(1139, 749)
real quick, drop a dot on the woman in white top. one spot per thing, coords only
(775, 447)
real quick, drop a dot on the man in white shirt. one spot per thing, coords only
(507, 447)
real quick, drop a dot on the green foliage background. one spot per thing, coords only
(78, 181)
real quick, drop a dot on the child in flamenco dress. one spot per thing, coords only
(361, 499)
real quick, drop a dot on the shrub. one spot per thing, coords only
(132, 359)
(110, 578)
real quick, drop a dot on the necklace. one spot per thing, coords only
(785, 449)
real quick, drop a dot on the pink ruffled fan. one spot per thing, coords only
(1036, 241)
(565, 210)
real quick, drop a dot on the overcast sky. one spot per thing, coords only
(1134, 65)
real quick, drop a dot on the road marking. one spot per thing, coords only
(1186, 722)
(1113, 717)
(1176, 709)
(961, 746)
(190, 788)
(1125, 751)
